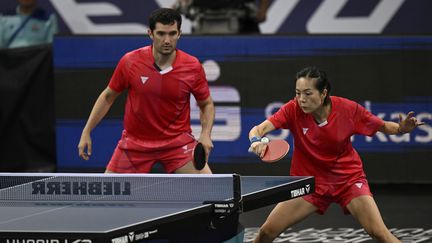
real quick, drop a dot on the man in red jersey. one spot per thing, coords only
(159, 80)
(322, 126)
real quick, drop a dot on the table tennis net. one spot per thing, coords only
(117, 187)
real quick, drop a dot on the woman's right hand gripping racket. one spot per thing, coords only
(275, 151)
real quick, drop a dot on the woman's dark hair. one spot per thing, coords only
(165, 16)
(320, 77)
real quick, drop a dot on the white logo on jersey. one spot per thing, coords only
(359, 185)
(186, 149)
(305, 130)
(144, 79)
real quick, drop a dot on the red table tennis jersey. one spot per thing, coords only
(158, 102)
(325, 150)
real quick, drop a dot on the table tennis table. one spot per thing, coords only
(123, 208)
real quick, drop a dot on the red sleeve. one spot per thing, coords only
(119, 81)
(283, 118)
(366, 123)
(200, 90)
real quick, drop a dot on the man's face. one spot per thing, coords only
(165, 38)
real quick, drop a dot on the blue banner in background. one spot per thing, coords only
(234, 149)
(103, 51)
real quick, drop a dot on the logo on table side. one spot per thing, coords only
(81, 188)
(132, 237)
(301, 191)
(47, 241)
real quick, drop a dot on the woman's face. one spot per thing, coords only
(308, 97)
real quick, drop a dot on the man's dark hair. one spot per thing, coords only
(320, 77)
(165, 16)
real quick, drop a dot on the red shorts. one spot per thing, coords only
(133, 155)
(341, 195)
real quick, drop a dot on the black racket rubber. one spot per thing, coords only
(199, 157)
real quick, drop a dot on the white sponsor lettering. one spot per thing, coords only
(122, 239)
(133, 237)
(326, 20)
(222, 205)
(277, 13)
(426, 129)
(298, 192)
(77, 17)
(403, 138)
(227, 125)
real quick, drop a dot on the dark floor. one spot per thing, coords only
(406, 209)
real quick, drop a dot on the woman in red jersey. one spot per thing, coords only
(322, 126)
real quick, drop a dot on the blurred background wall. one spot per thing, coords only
(380, 17)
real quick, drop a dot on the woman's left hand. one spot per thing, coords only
(409, 123)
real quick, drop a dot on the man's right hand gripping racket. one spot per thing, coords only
(275, 151)
(199, 157)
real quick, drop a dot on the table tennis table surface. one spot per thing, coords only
(95, 218)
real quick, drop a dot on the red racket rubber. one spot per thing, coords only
(276, 150)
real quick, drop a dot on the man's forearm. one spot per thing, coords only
(207, 115)
(100, 109)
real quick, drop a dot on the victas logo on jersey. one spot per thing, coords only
(186, 149)
(144, 79)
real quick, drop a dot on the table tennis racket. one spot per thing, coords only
(199, 156)
(276, 150)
